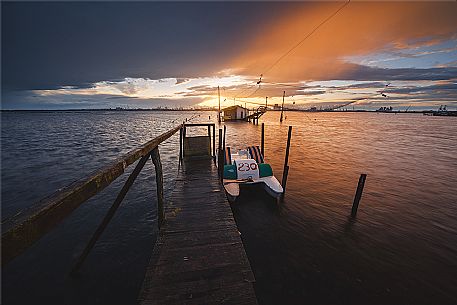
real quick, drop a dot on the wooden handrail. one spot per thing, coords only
(199, 124)
(26, 227)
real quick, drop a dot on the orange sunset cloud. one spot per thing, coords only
(360, 28)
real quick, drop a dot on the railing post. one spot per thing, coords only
(286, 162)
(214, 141)
(155, 156)
(262, 140)
(220, 158)
(358, 194)
(180, 144)
(209, 136)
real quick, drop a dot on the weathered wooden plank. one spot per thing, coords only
(200, 124)
(197, 146)
(199, 257)
(29, 225)
(239, 294)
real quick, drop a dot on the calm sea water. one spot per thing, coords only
(401, 249)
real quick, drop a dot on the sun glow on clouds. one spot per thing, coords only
(413, 46)
(144, 88)
(244, 91)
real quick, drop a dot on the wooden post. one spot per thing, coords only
(282, 107)
(225, 132)
(219, 111)
(358, 194)
(286, 162)
(209, 136)
(285, 174)
(180, 144)
(214, 141)
(155, 156)
(262, 140)
(109, 215)
(220, 163)
(266, 101)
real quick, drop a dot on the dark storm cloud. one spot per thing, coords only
(48, 45)
(245, 91)
(360, 86)
(361, 73)
(444, 88)
(29, 100)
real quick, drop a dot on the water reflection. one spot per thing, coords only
(392, 253)
(401, 248)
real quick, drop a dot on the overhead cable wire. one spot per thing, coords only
(291, 50)
(306, 37)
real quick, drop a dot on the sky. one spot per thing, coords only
(68, 55)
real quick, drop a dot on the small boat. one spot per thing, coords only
(247, 167)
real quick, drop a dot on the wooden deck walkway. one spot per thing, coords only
(199, 257)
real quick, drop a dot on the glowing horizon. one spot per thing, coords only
(411, 46)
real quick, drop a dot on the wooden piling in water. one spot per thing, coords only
(262, 140)
(282, 107)
(286, 162)
(358, 194)
(225, 132)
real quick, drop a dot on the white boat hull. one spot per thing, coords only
(270, 184)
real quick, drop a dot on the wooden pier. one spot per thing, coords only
(256, 114)
(199, 257)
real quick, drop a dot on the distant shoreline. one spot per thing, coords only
(215, 110)
(114, 110)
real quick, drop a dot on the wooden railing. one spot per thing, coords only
(28, 226)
